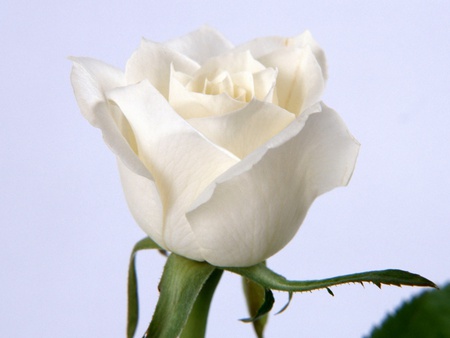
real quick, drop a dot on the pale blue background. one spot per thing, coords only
(66, 233)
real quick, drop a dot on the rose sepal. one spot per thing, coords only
(262, 275)
(133, 299)
(186, 290)
(259, 280)
(259, 303)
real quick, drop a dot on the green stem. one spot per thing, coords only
(196, 324)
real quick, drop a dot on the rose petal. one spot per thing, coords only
(242, 131)
(201, 44)
(300, 81)
(186, 93)
(255, 208)
(152, 61)
(90, 80)
(182, 161)
(192, 104)
(265, 82)
(306, 40)
(230, 62)
(266, 45)
(144, 202)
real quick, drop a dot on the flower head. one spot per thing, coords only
(221, 149)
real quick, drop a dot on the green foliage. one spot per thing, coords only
(187, 287)
(262, 275)
(180, 285)
(427, 315)
(186, 290)
(198, 317)
(259, 303)
(133, 299)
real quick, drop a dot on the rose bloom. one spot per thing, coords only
(221, 149)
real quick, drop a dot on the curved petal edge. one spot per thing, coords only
(310, 157)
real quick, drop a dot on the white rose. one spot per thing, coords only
(221, 149)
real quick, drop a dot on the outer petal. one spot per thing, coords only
(90, 80)
(182, 161)
(152, 61)
(244, 130)
(300, 80)
(144, 202)
(263, 46)
(201, 44)
(254, 209)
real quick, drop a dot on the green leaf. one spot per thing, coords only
(262, 275)
(427, 315)
(133, 300)
(180, 285)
